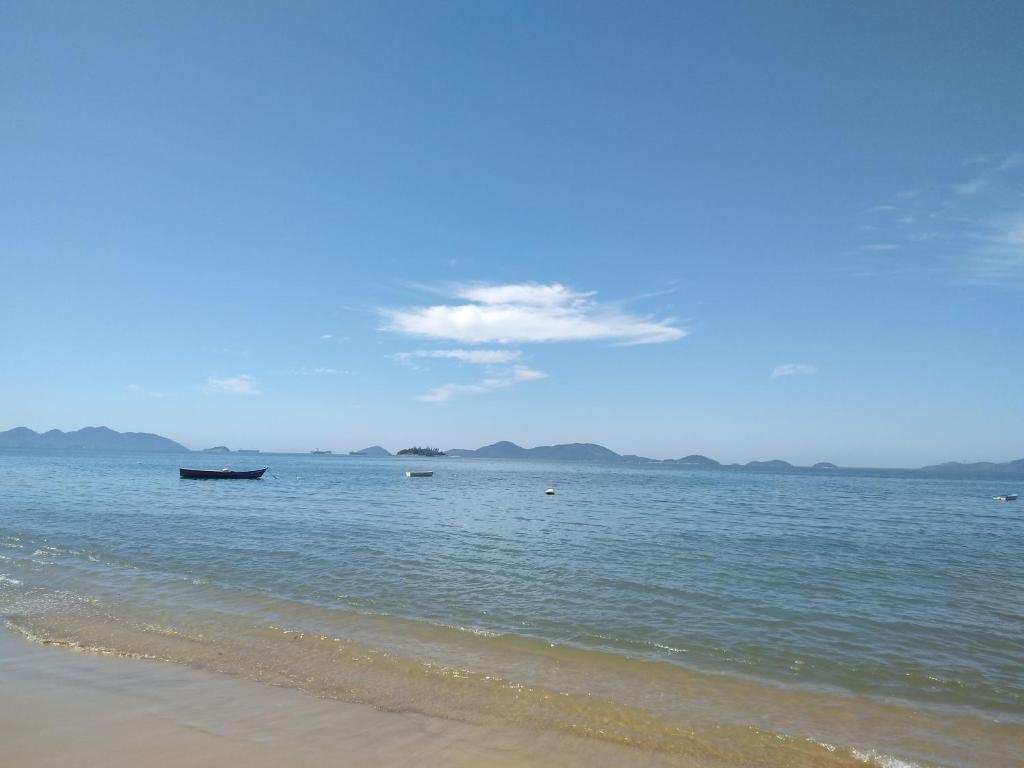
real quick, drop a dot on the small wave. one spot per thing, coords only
(669, 648)
(871, 757)
(473, 630)
(5, 579)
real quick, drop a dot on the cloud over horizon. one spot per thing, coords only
(528, 313)
(794, 369)
(243, 384)
(503, 380)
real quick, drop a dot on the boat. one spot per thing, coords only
(318, 452)
(1006, 497)
(550, 491)
(221, 474)
(421, 473)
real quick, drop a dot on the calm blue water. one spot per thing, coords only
(870, 582)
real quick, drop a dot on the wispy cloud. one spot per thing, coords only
(997, 258)
(243, 384)
(326, 336)
(513, 376)
(987, 177)
(528, 313)
(972, 187)
(471, 356)
(971, 232)
(794, 369)
(138, 389)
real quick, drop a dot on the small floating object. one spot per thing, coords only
(1006, 497)
(549, 492)
(419, 474)
(220, 474)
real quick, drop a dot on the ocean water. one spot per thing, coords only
(730, 617)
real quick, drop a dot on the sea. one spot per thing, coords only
(728, 617)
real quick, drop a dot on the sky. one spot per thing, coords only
(749, 230)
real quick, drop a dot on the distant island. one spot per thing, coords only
(106, 439)
(978, 469)
(89, 439)
(417, 451)
(374, 451)
(694, 458)
(573, 451)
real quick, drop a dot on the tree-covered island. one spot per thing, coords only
(417, 451)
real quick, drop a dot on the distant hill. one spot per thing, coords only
(694, 458)
(564, 451)
(632, 458)
(824, 465)
(500, 450)
(978, 469)
(771, 464)
(217, 449)
(374, 451)
(89, 438)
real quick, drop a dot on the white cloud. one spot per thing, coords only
(528, 313)
(243, 384)
(881, 247)
(794, 369)
(326, 336)
(504, 380)
(134, 388)
(472, 356)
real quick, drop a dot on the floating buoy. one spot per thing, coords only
(550, 492)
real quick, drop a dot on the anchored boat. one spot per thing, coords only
(425, 473)
(221, 474)
(1006, 497)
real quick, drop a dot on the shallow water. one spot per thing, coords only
(750, 617)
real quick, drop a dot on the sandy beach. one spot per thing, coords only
(65, 708)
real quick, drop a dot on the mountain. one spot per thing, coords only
(772, 464)
(217, 449)
(978, 468)
(89, 438)
(824, 465)
(565, 451)
(374, 451)
(694, 458)
(576, 451)
(500, 450)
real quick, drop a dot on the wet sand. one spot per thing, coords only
(61, 708)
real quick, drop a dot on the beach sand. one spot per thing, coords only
(66, 708)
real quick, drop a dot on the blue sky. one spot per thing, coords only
(749, 230)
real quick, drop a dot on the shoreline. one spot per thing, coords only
(61, 708)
